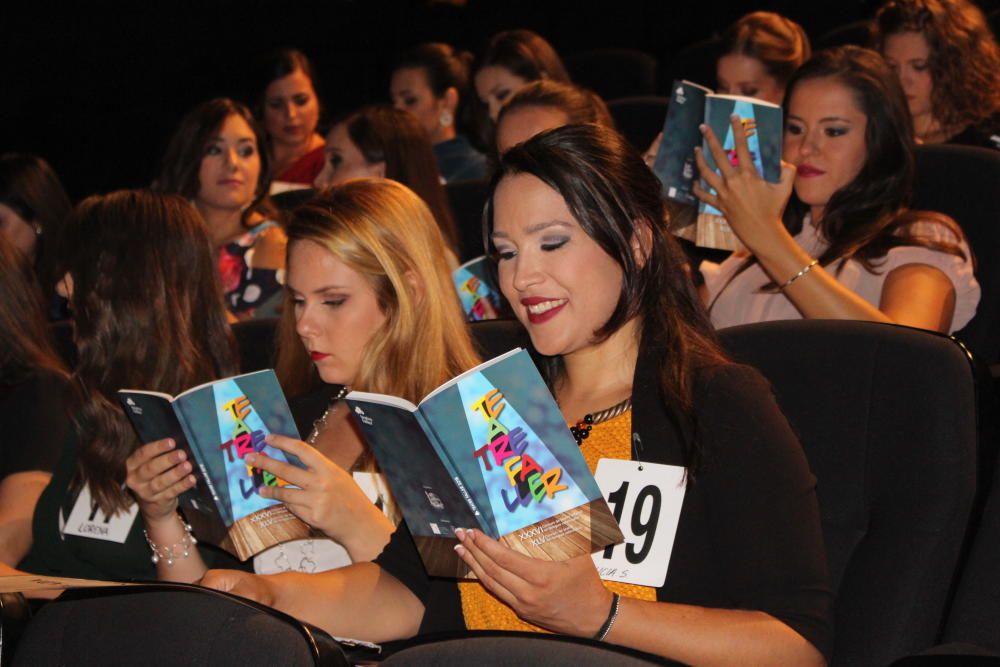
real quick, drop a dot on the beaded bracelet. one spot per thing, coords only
(805, 269)
(612, 616)
(169, 553)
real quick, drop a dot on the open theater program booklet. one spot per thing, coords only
(690, 106)
(487, 450)
(218, 424)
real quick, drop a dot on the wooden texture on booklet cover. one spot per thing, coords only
(264, 529)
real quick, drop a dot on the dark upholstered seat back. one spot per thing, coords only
(887, 418)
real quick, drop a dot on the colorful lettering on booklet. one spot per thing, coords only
(478, 310)
(244, 440)
(507, 451)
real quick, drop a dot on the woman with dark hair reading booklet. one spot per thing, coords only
(634, 365)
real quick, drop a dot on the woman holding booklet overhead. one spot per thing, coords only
(834, 239)
(635, 367)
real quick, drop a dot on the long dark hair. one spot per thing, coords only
(614, 196)
(868, 217)
(148, 314)
(30, 187)
(383, 133)
(181, 164)
(24, 334)
(964, 55)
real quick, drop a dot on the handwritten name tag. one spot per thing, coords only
(87, 520)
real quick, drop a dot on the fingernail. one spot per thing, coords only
(251, 458)
(269, 438)
(460, 534)
(459, 549)
(170, 443)
(734, 116)
(191, 480)
(702, 128)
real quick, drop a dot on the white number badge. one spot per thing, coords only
(646, 499)
(87, 520)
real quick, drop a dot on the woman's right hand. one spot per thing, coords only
(157, 473)
(327, 498)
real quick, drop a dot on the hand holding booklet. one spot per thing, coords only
(690, 106)
(217, 424)
(488, 450)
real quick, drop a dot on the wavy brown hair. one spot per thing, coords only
(964, 56)
(385, 232)
(613, 195)
(779, 43)
(24, 335)
(383, 133)
(148, 314)
(579, 104)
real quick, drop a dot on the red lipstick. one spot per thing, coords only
(318, 356)
(554, 307)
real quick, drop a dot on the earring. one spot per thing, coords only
(38, 229)
(446, 118)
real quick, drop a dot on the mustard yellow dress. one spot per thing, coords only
(483, 611)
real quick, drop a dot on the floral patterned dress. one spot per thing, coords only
(250, 291)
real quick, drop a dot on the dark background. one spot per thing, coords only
(97, 89)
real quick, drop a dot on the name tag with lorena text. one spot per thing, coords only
(646, 500)
(87, 520)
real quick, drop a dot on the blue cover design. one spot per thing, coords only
(765, 121)
(475, 289)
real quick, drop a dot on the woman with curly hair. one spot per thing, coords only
(948, 62)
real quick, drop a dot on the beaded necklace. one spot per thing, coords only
(582, 429)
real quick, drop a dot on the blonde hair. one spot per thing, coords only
(385, 232)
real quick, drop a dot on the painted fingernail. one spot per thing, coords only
(459, 549)
(251, 458)
(703, 128)
(269, 438)
(186, 466)
(170, 444)
(460, 534)
(191, 480)
(734, 116)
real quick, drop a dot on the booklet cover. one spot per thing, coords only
(481, 298)
(692, 105)
(218, 424)
(488, 450)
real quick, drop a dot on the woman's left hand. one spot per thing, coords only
(564, 596)
(752, 206)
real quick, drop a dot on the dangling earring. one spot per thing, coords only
(38, 229)
(446, 118)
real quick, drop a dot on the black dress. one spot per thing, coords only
(749, 535)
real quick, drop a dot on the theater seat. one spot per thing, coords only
(467, 199)
(639, 118)
(887, 418)
(168, 625)
(613, 73)
(961, 181)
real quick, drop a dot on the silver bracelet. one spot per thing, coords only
(612, 617)
(805, 269)
(169, 553)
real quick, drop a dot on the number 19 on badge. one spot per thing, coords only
(646, 500)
